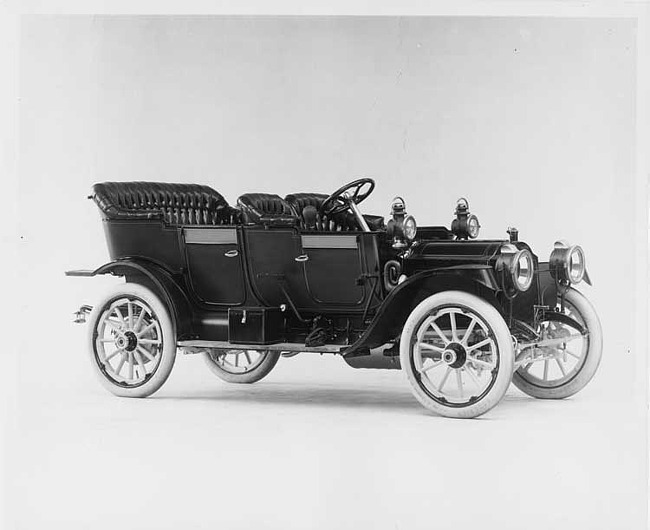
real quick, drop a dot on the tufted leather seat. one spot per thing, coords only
(266, 209)
(298, 201)
(337, 223)
(341, 222)
(178, 204)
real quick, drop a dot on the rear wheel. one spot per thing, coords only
(241, 366)
(132, 341)
(457, 353)
(566, 368)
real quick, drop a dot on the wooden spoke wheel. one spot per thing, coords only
(132, 341)
(457, 354)
(241, 366)
(562, 370)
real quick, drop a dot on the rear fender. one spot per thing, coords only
(391, 316)
(160, 281)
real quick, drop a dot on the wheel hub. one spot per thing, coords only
(127, 341)
(132, 341)
(454, 355)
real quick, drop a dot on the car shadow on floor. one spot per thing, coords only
(367, 397)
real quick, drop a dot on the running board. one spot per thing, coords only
(282, 346)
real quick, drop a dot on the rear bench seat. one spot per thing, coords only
(176, 204)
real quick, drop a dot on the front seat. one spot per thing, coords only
(266, 209)
(306, 205)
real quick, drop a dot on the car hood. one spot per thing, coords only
(449, 253)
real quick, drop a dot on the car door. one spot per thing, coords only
(214, 264)
(334, 269)
(275, 265)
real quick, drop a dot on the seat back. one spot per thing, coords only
(298, 201)
(267, 209)
(342, 222)
(177, 204)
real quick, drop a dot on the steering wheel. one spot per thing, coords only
(351, 193)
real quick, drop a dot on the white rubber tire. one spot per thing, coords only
(503, 341)
(257, 373)
(592, 360)
(168, 338)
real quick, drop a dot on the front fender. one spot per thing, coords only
(161, 281)
(392, 314)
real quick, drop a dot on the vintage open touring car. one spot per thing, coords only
(244, 285)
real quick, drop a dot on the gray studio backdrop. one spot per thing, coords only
(531, 119)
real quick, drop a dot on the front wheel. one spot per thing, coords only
(561, 371)
(457, 353)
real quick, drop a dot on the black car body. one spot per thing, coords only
(310, 272)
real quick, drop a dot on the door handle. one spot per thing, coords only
(232, 254)
(301, 258)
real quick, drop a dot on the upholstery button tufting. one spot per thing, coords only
(174, 203)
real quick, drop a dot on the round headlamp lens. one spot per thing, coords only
(576, 264)
(410, 228)
(567, 262)
(473, 226)
(523, 270)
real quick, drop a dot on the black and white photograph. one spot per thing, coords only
(308, 267)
